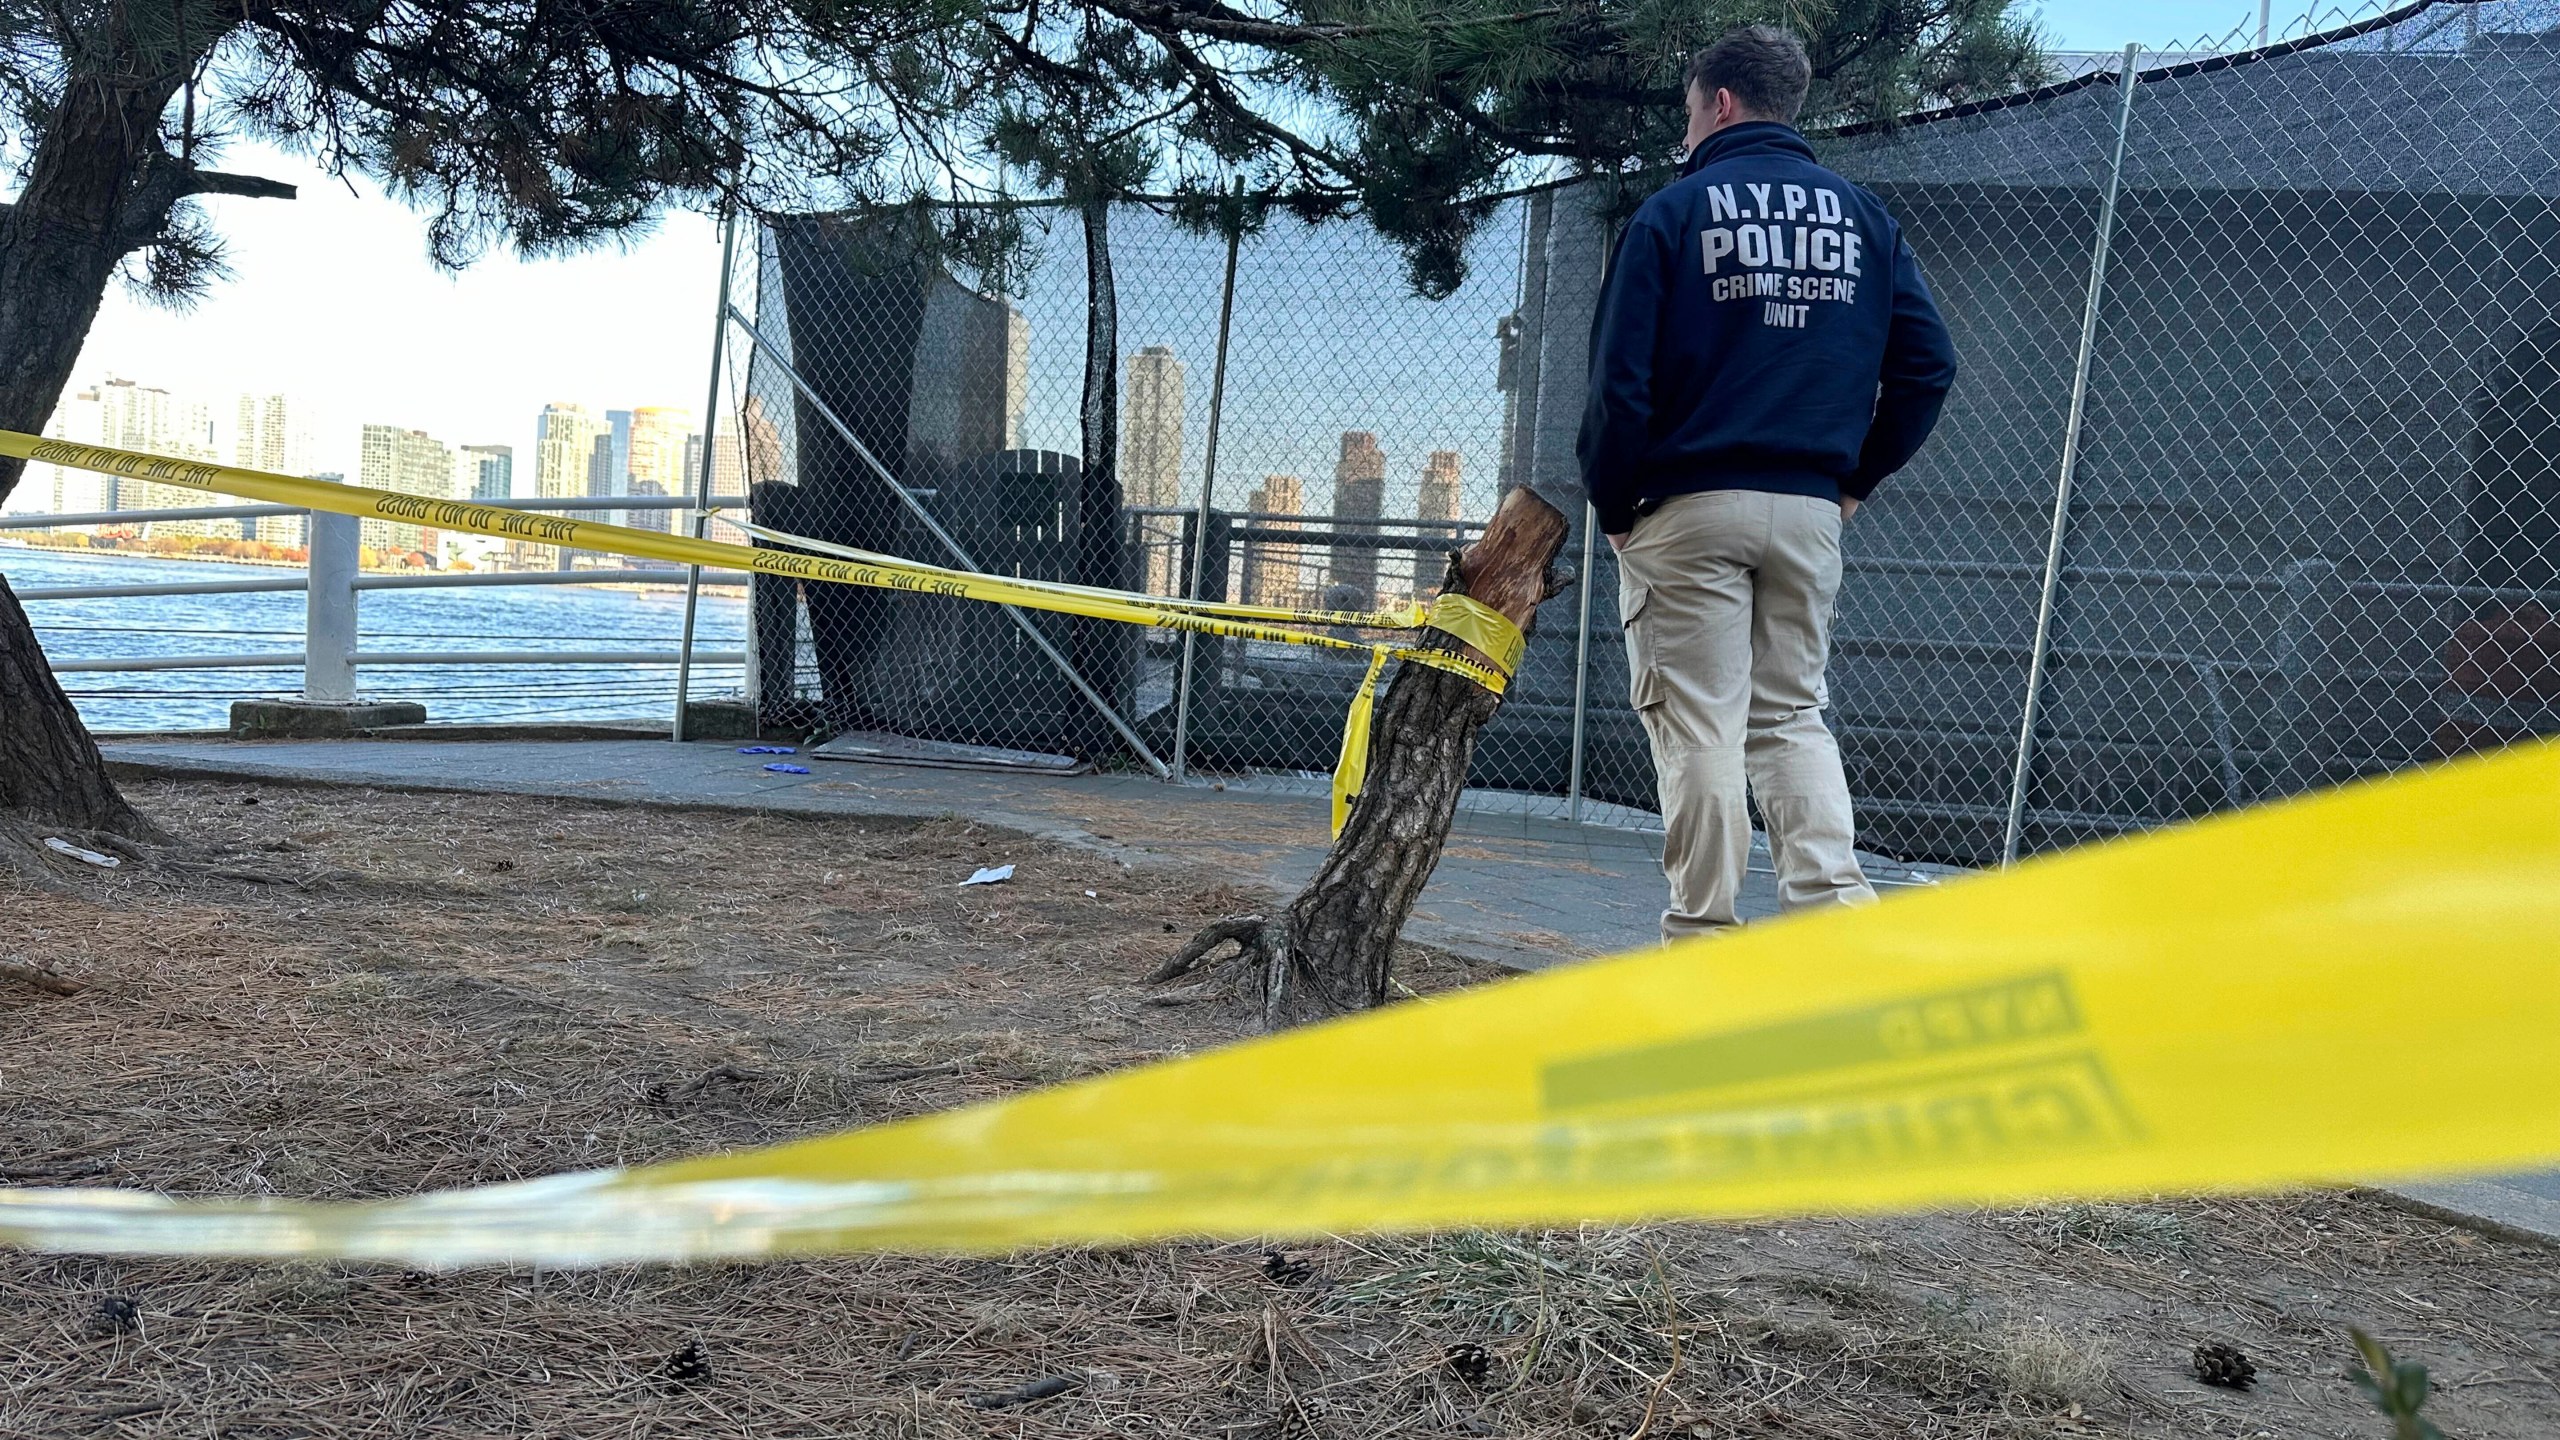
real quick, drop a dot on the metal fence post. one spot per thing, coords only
(2311, 597)
(329, 609)
(1582, 626)
(702, 493)
(1581, 669)
(1208, 485)
(2036, 655)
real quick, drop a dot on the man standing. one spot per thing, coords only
(1766, 354)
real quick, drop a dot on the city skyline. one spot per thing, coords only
(579, 452)
(275, 432)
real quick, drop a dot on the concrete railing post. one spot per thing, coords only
(329, 615)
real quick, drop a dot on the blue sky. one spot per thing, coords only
(2163, 24)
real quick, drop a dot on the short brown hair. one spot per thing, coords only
(1764, 66)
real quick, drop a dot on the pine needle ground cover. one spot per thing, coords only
(364, 994)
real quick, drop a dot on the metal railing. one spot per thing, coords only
(333, 581)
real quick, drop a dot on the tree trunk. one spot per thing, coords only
(1333, 950)
(1097, 647)
(51, 774)
(60, 243)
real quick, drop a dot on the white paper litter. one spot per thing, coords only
(993, 875)
(60, 846)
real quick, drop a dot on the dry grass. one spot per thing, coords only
(399, 992)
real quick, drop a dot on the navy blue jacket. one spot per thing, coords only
(1764, 328)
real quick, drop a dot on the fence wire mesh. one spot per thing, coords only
(1360, 438)
(2306, 527)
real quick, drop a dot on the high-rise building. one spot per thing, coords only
(615, 468)
(564, 446)
(142, 417)
(1151, 428)
(728, 477)
(271, 433)
(394, 457)
(486, 473)
(1359, 497)
(1275, 574)
(654, 448)
(80, 418)
(658, 520)
(1151, 459)
(1438, 497)
(603, 479)
(564, 440)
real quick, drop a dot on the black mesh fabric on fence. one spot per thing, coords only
(2309, 530)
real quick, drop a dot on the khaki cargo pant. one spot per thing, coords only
(1727, 596)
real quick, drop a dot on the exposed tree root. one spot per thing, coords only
(41, 979)
(1237, 930)
(1262, 977)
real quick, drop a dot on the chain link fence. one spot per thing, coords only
(881, 397)
(2246, 486)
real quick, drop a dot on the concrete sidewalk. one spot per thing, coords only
(1515, 890)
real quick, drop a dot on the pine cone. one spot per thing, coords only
(1470, 1362)
(1281, 1269)
(685, 1367)
(115, 1315)
(2218, 1364)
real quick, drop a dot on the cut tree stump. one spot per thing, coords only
(1332, 950)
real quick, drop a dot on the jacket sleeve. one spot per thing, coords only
(1617, 422)
(1919, 369)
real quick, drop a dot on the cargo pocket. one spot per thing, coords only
(1644, 669)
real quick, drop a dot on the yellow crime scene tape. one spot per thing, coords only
(1481, 626)
(2360, 984)
(1472, 623)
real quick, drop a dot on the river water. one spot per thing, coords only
(529, 617)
